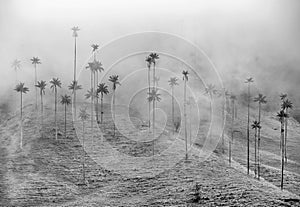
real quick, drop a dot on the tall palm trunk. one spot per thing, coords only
(97, 103)
(21, 140)
(190, 114)
(255, 157)
(65, 120)
(285, 135)
(83, 163)
(35, 82)
(92, 107)
(74, 91)
(114, 113)
(173, 109)
(258, 142)
(42, 114)
(149, 104)
(185, 129)
(101, 108)
(55, 112)
(231, 139)
(223, 119)
(153, 126)
(248, 131)
(282, 151)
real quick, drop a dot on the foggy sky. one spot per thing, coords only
(243, 37)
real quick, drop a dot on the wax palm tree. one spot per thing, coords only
(75, 35)
(115, 80)
(102, 89)
(149, 63)
(248, 82)
(172, 82)
(282, 96)
(185, 79)
(83, 116)
(98, 69)
(74, 86)
(261, 99)
(282, 116)
(152, 97)
(65, 100)
(154, 57)
(35, 61)
(55, 83)
(287, 104)
(42, 86)
(91, 94)
(16, 65)
(256, 126)
(21, 89)
(233, 99)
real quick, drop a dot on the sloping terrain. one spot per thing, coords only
(48, 172)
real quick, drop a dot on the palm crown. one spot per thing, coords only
(74, 86)
(21, 88)
(102, 88)
(41, 85)
(210, 89)
(256, 125)
(249, 80)
(83, 115)
(95, 47)
(173, 81)
(115, 80)
(154, 57)
(91, 94)
(55, 82)
(35, 60)
(283, 96)
(185, 75)
(286, 104)
(281, 115)
(95, 66)
(149, 61)
(154, 95)
(75, 30)
(260, 99)
(16, 64)
(65, 99)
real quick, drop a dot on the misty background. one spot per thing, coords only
(243, 38)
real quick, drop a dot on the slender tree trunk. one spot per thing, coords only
(282, 152)
(185, 130)
(83, 164)
(232, 122)
(255, 159)
(75, 57)
(114, 113)
(42, 115)
(92, 107)
(258, 143)
(21, 140)
(101, 108)
(55, 114)
(190, 114)
(223, 119)
(65, 120)
(285, 136)
(248, 131)
(173, 127)
(97, 104)
(35, 82)
(149, 91)
(153, 126)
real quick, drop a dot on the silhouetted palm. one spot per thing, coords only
(256, 126)
(16, 65)
(152, 97)
(35, 61)
(283, 96)
(115, 80)
(149, 63)
(233, 99)
(172, 83)
(65, 100)
(261, 99)
(20, 88)
(190, 102)
(287, 104)
(74, 86)
(282, 116)
(55, 83)
(185, 78)
(248, 82)
(42, 86)
(83, 116)
(102, 89)
(154, 57)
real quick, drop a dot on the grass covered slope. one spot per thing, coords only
(49, 172)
